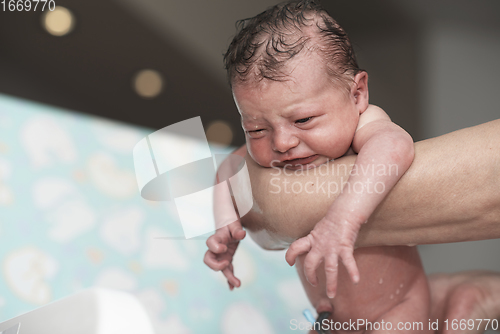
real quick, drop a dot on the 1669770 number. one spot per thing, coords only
(27, 5)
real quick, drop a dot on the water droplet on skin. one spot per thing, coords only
(380, 281)
(397, 291)
(391, 297)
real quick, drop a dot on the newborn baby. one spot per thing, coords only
(303, 102)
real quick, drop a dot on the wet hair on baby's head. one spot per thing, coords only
(265, 43)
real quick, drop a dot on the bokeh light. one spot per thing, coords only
(220, 132)
(58, 22)
(148, 83)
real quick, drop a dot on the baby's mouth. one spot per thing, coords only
(299, 162)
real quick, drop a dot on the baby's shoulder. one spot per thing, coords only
(371, 114)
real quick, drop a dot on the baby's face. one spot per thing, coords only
(305, 120)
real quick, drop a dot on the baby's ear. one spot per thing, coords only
(359, 91)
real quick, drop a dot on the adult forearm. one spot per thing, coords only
(449, 194)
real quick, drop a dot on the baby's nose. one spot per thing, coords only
(284, 141)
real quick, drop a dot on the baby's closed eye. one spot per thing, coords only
(303, 120)
(255, 133)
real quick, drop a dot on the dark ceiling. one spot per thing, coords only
(91, 69)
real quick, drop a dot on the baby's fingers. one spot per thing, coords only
(350, 264)
(231, 279)
(212, 261)
(217, 242)
(237, 232)
(331, 272)
(298, 247)
(311, 264)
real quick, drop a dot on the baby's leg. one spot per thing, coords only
(470, 295)
(411, 315)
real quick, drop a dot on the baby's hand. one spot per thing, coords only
(333, 236)
(221, 248)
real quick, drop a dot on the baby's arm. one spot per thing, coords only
(385, 152)
(223, 243)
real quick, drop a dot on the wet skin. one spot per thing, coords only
(394, 288)
(305, 121)
(419, 210)
(403, 294)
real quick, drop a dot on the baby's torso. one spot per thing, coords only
(388, 276)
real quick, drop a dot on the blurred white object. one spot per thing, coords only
(92, 311)
(176, 163)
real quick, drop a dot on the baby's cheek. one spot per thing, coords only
(336, 149)
(343, 146)
(260, 153)
(331, 141)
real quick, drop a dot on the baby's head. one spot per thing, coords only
(296, 84)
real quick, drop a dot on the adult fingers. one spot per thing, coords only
(298, 247)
